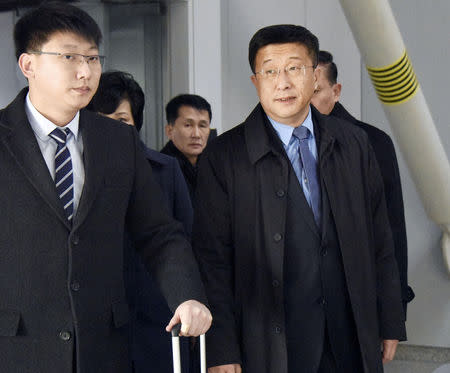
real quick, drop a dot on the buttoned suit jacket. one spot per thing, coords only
(62, 294)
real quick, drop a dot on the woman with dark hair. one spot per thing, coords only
(119, 97)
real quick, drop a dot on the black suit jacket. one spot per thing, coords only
(61, 286)
(170, 178)
(387, 160)
(150, 343)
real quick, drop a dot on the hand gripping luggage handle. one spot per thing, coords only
(176, 350)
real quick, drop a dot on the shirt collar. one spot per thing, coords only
(284, 131)
(42, 127)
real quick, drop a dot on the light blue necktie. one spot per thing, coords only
(63, 170)
(308, 164)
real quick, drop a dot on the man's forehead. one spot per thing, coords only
(293, 58)
(70, 40)
(286, 50)
(188, 112)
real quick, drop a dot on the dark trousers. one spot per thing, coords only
(350, 364)
(327, 362)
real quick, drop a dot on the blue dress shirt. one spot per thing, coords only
(291, 147)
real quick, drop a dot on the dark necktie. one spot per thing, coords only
(309, 166)
(63, 170)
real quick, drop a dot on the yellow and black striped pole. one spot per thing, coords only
(384, 53)
(396, 83)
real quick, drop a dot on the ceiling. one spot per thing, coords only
(14, 4)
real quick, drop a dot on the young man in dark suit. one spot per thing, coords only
(121, 98)
(72, 183)
(326, 100)
(291, 230)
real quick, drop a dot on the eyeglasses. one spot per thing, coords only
(293, 71)
(74, 59)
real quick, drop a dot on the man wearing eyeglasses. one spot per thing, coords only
(72, 183)
(291, 232)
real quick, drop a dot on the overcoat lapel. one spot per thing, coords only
(95, 145)
(262, 139)
(329, 174)
(18, 137)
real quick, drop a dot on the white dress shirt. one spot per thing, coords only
(42, 127)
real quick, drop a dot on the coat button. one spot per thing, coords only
(75, 239)
(280, 193)
(277, 237)
(322, 302)
(75, 286)
(324, 251)
(65, 335)
(275, 283)
(277, 330)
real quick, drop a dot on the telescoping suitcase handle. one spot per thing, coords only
(176, 350)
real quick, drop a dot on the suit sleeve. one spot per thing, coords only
(390, 310)
(396, 213)
(159, 238)
(213, 245)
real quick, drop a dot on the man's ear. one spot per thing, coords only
(26, 65)
(337, 91)
(253, 79)
(168, 129)
(317, 73)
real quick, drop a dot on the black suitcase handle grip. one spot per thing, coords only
(176, 350)
(176, 330)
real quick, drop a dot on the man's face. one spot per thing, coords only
(285, 98)
(190, 132)
(326, 94)
(122, 113)
(59, 87)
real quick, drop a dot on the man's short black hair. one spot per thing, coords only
(326, 59)
(35, 27)
(281, 34)
(195, 101)
(115, 86)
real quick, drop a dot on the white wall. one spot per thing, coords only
(194, 52)
(207, 56)
(11, 77)
(179, 45)
(425, 30)
(240, 20)
(326, 20)
(133, 35)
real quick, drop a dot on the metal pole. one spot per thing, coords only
(384, 53)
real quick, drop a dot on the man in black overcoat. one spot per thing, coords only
(326, 100)
(291, 230)
(72, 182)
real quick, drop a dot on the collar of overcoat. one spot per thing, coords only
(261, 138)
(340, 112)
(17, 135)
